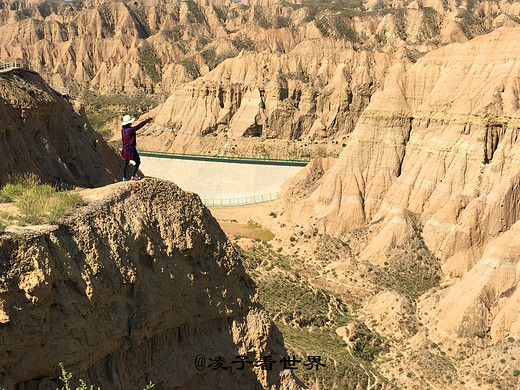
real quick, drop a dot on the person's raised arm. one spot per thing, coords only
(137, 127)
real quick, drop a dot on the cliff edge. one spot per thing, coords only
(130, 289)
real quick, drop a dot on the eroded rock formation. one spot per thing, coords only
(311, 68)
(41, 133)
(269, 96)
(439, 142)
(131, 288)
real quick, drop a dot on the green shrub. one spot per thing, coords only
(213, 59)
(254, 224)
(282, 21)
(243, 44)
(173, 34)
(63, 202)
(34, 203)
(17, 186)
(67, 376)
(195, 13)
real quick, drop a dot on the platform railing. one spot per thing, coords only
(7, 66)
(240, 201)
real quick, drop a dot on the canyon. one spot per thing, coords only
(231, 76)
(393, 253)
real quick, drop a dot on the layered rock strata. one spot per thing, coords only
(439, 141)
(270, 97)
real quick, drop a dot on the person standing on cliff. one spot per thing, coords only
(129, 152)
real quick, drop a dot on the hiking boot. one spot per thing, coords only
(125, 179)
(135, 178)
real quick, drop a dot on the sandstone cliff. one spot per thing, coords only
(116, 46)
(131, 288)
(439, 141)
(268, 96)
(330, 57)
(311, 81)
(41, 133)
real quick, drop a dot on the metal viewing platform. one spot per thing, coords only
(8, 66)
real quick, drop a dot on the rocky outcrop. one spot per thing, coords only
(439, 141)
(155, 45)
(270, 97)
(130, 289)
(41, 133)
(309, 82)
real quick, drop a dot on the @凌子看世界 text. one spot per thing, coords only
(267, 362)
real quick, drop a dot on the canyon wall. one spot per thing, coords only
(311, 67)
(440, 141)
(41, 133)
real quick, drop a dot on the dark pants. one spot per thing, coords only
(136, 166)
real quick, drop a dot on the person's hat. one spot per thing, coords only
(127, 119)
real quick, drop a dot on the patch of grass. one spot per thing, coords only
(43, 202)
(413, 269)
(197, 16)
(254, 224)
(264, 23)
(307, 316)
(341, 371)
(469, 23)
(282, 22)
(243, 44)
(289, 298)
(255, 232)
(347, 8)
(34, 203)
(10, 192)
(6, 216)
(173, 34)
(301, 76)
(62, 204)
(221, 13)
(190, 66)
(17, 185)
(149, 61)
(213, 59)
(37, 202)
(337, 27)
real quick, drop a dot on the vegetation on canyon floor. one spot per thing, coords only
(307, 316)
